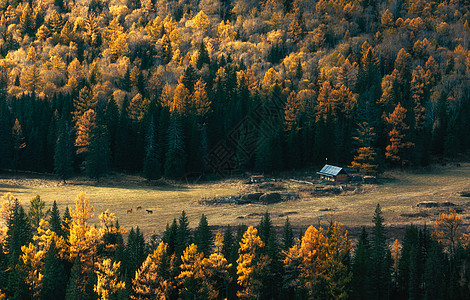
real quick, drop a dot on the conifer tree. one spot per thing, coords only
(287, 236)
(54, 219)
(76, 285)
(380, 272)
(203, 236)
(152, 166)
(53, 284)
(36, 212)
(250, 265)
(63, 152)
(98, 154)
(135, 250)
(152, 280)
(183, 238)
(361, 268)
(170, 236)
(175, 158)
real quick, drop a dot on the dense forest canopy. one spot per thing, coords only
(49, 255)
(185, 87)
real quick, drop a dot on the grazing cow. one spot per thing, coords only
(139, 207)
(129, 211)
(149, 211)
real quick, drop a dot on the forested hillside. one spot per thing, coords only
(188, 87)
(53, 256)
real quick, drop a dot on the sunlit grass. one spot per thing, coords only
(398, 194)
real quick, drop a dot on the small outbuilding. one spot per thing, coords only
(333, 173)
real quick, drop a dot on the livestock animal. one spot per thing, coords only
(139, 207)
(129, 211)
(149, 211)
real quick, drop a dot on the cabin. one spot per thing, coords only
(333, 173)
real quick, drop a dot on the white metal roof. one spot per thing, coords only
(330, 170)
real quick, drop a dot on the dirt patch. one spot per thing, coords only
(288, 213)
(415, 215)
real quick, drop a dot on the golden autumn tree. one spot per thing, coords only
(107, 273)
(306, 259)
(201, 21)
(137, 107)
(83, 238)
(292, 110)
(397, 139)
(324, 106)
(448, 230)
(151, 280)
(33, 255)
(250, 264)
(84, 128)
(216, 268)
(366, 155)
(192, 278)
(200, 100)
(8, 204)
(180, 98)
(33, 80)
(336, 274)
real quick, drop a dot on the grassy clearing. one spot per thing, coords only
(398, 194)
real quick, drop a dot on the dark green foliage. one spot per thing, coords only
(54, 281)
(175, 159)
(435, 273)
(76, 283)
(361, 268)
(135, 250)
(66, 219)
(19, 232)
(203, 237)
(55, 221)
(152, 165)
(98, 154)
(380, 259)
(183, 237)
(287, 235)
(170, 236)
(64, 151)
(36, 212)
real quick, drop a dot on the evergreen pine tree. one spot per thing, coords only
(76, 284)
(170, 236)
(152, 166)
(98, 154)
(361, 268)
(203, 237)
(66, 219)
(54, 281)
(55, 221)
(135, 250)
(287, 236)
(175, 159)
(435, 273)
(380, 276)
(36, 213)
(64, 150)
(183, 239)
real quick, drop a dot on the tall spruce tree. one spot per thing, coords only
(98, 154)
(380, 271)
(55, 221)
(64, 151)
(203, 237)
(183, 238)
(54, 282)
(361, 268)
(152, 165)
(175, 159)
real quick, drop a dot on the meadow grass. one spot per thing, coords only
(398, 193)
